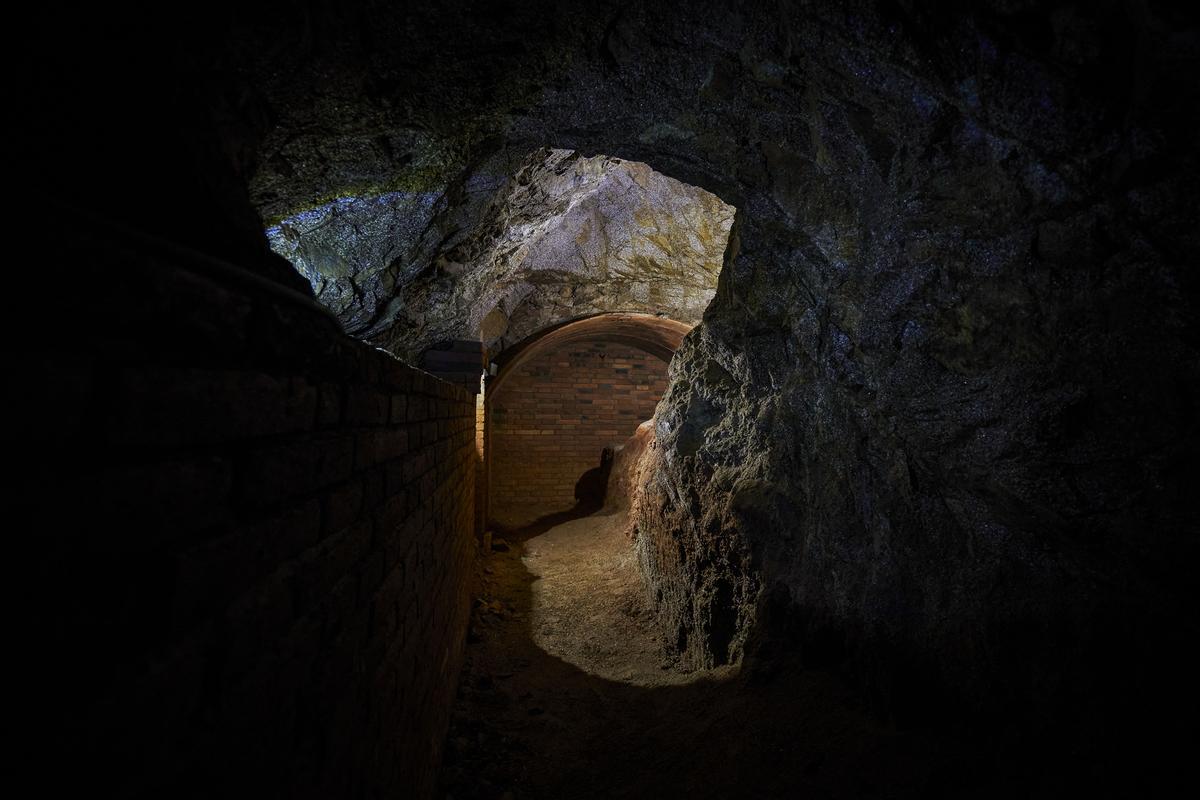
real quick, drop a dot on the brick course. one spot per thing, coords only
(551, 420)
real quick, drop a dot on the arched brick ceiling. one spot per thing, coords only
(658, 336)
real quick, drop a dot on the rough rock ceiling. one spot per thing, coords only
(352, 249)
(564, 236)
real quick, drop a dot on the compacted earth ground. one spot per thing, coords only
(569, 692)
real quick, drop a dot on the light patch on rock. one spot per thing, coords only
(565, 237)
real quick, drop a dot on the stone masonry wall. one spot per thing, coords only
(253, 542)
(551, 420)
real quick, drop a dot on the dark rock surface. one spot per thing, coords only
(354, 251)
(940, 420)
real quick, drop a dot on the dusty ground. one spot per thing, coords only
(569, 693)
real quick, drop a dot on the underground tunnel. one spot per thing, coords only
(627, 399)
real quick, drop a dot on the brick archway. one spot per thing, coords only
(658, 336)
(560, 397)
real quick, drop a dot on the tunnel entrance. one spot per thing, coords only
(562, 401)
(552, 422)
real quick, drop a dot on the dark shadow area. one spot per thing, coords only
(591, 486)
(521, 533)
(529, 723)
(590, 492)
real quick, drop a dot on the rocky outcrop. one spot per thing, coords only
(355, 250)
(627, 476)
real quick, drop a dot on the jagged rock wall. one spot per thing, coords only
(939, 420)
(564, 236)
(627, 475)
(354, 250)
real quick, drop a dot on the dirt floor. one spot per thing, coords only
(568, 692)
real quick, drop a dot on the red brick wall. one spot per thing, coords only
(551, 420)
(255, 530)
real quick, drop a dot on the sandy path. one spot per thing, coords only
(569, 693)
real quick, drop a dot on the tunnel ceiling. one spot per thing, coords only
(952, 367)
(560, 237)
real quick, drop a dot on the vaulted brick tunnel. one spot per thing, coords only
(563, 397)
(326, 313)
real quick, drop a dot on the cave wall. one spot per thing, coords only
(551, 420)
(247, 535)
(353, 250)
(939, 419)
(256, 536)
